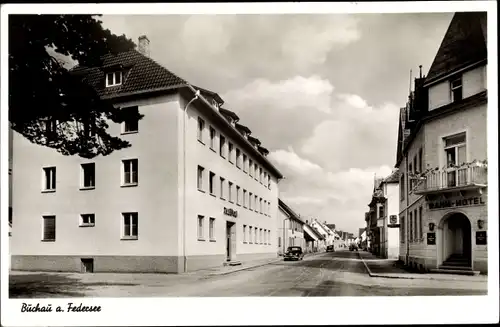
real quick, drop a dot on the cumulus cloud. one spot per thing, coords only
(311, 92)
(289, 159)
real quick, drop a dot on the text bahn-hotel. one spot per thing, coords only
(194, 190)
(442, 156)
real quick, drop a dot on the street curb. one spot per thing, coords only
(383, 276)
(258, 265)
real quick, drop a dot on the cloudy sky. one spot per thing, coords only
(321, 92)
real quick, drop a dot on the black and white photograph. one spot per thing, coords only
(214, 164)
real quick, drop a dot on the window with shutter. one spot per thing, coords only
(49, 228)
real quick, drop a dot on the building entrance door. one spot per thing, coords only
(230, 241)
(456, 243)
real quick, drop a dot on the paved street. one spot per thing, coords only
(328, 274)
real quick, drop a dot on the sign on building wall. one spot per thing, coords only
(481, 238)
(230, 212)
(431, 238)
(459, 202)
(393, 219)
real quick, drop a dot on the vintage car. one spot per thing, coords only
(294, 253)
(330, 248)
(353, 247)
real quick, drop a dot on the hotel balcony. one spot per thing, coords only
(452, 179)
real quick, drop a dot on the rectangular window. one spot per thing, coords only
(238, 159)
(269, 237)
(256, 177)
(130, 172)
(230, 152)
(268, 182)
(420, 161)
(410, 180)
(456, 154)
(250, 168)
(260, 175)
(211, 229)
(238, 195)
(49, 228)
(201, 129)
(212, 138)
(250, 235)
(113, 79)
(421, 230)
(87, 220)
(88, 175)
(201, 172)
(130, 225)
(49, 179)
(269, 209)
(415, 222)
(456, 89)
(230, 191)
(222, 180)
(245, 163)
(244, 233)
(402, 187)
(381, 212)
(211, 183)
(265, 208)
(279, 241)
(255, 231)
(411, 227)
(222, 146)
(261, 239)
(131, 125)
(50, 127)
(250, 200)
(200, 227)
(244, 198)
(260, 205)
(256, 198)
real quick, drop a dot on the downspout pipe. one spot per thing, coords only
(184, 202)
(407, 222)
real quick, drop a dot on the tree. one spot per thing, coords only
(50, 106)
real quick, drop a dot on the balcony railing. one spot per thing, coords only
(452, 179)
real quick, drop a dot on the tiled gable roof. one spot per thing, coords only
(393, 177)
(141, 74)
(463, 44)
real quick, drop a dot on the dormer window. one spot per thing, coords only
(113, 79)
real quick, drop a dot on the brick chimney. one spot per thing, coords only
(144, 45)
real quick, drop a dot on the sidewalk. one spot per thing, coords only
(224, 270)
(390, 268)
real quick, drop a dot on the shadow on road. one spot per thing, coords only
(42, 285)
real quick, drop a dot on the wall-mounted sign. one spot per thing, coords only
(230, 212)
(393, 219)
(462, 202)
(431, 238)
(481, 238)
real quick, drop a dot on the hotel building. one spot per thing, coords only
(194, 190)
(442, 156)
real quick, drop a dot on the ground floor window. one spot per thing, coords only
(130, 225)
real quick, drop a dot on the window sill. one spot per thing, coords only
(201, 239)
(86, 188)
(213, 240)
(245, 242)
(130, 185)
(129, 238)
(48, 191)
(48, 240)
(200, 190)
(87, 225)
(201, 141)
(223, 156)
(239, 205)
(223, 199)
(215, 151)
(231, 162)
(130, 132)
(212, 194)
(231, 201)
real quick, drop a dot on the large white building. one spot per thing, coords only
(442, 156)
(194, 190)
